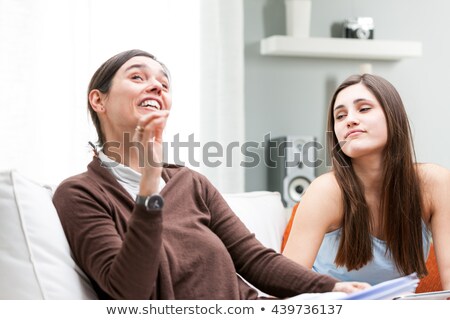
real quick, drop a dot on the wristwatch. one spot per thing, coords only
(153, 202)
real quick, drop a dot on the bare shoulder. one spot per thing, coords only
(326, 184)
(435, 185)
(323, 200)
(432, 175)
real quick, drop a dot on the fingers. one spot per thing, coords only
(362, 285)
(138, 133)
(147, 140)
(152, 132)
(150, 127)
(350, 287)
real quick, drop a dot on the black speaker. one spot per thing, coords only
(291, 165)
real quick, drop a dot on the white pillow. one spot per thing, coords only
(263, 213)
(35, 259)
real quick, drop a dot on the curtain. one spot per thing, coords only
(50, 49)
(42, 83)
(222, 93)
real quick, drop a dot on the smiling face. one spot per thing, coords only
(140, 86)
(359, 122)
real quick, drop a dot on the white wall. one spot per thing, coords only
(289, 95)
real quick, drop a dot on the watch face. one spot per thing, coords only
(155, 202)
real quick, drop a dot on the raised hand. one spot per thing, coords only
(149, 146)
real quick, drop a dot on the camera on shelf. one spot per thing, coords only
(359, 28)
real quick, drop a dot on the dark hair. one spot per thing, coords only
(401, 199)
(102, 79)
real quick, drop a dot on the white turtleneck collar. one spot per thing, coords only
(128, 178)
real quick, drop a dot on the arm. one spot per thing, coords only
(439, 190)
(116, 244)
(123, 261)
(262, 267)
(319, 212)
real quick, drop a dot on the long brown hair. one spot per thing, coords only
(401, 200)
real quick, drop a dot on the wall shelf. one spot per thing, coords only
(340, 48)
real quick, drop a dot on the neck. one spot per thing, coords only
(124, 151)
(370, 171)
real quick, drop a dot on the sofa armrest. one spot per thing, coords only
(35, 258)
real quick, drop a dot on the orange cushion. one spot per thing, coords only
(287, 231)
(432, 282)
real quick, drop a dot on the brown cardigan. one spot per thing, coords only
(192, 249)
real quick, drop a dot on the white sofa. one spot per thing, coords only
(35, 258)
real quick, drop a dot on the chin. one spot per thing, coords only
(354, 152)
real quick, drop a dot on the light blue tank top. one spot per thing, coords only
(380, 268)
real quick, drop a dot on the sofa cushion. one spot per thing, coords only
(263, 213)
(431, 282)
(35, 259)
(289, 226)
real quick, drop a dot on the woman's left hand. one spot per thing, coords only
(350, 287)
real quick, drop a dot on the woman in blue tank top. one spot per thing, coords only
(372, 216)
